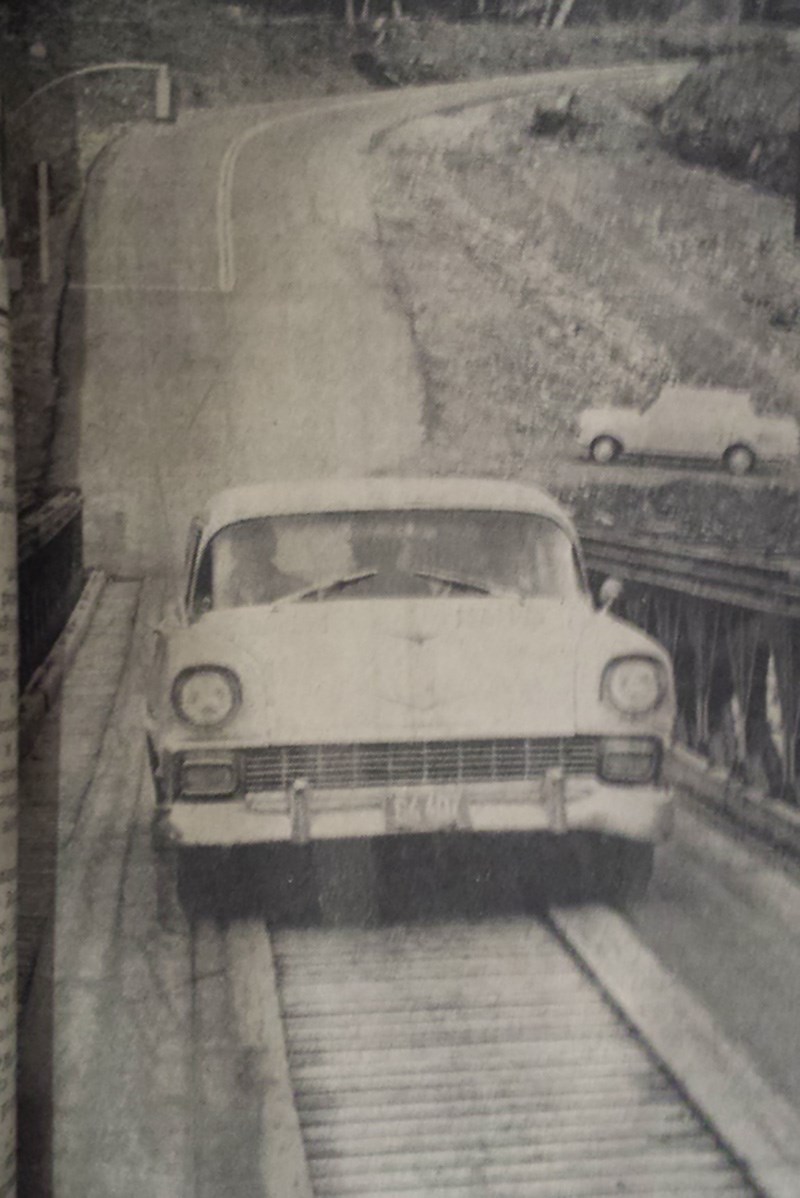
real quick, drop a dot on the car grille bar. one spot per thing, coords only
(410, 763)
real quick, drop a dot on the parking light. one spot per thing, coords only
(207, 775)
(629, 759)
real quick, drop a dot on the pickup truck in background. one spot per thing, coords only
(710, 423)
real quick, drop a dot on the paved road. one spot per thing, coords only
(228, 325)
(229, 319)
(160, 1048)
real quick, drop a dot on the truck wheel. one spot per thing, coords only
(739, 460)
(605, 449)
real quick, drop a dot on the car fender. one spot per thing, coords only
(184, 648)
(609, 422)
(776, 437)
(603, 639)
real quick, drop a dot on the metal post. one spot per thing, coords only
(163, 94)
(43, 192)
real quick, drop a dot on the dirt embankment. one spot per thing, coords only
(740, 117)
(542, 274)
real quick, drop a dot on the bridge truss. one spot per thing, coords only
(731, 622)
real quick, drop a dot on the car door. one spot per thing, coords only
(673, 425)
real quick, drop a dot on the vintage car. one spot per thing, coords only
(396, 656)
(710, 423)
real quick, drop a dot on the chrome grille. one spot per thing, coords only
(414, 763)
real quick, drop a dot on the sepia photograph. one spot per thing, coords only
(400, 611)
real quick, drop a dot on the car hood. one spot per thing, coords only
(392, 670)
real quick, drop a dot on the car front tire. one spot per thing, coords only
(739, 460)
(605, 450)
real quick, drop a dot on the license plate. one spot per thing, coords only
(265, 802)
(426, 811)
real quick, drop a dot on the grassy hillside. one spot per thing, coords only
(435, 50)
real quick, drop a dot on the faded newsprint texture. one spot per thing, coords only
(8, 749)
(409, 590)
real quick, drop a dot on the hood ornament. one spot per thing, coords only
(416, 636)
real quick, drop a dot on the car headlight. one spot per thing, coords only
(204, 776)
(634, 685)
(206, 696)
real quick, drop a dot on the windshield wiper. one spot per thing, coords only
(325, 588)
(463, 584)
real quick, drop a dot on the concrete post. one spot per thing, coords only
(163, 94)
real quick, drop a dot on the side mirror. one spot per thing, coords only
(610, 591)
(172, 618)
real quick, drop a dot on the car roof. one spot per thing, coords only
(378, 494)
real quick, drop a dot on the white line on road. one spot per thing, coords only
(165, 287)
(456, 94)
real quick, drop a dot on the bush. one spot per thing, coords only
(438, 51)
(740, 118)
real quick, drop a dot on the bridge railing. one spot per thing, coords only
(731, 622)
(160, 70)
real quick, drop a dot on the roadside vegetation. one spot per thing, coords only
(434, 51)
(543, 273)
(221, 54)
(741, 117)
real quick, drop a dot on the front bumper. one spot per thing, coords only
(554, 804)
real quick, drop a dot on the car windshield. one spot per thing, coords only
(392, 554)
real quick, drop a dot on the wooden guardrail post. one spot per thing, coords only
(163, 94)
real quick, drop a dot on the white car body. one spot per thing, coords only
(692, 422)
(365, 714)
